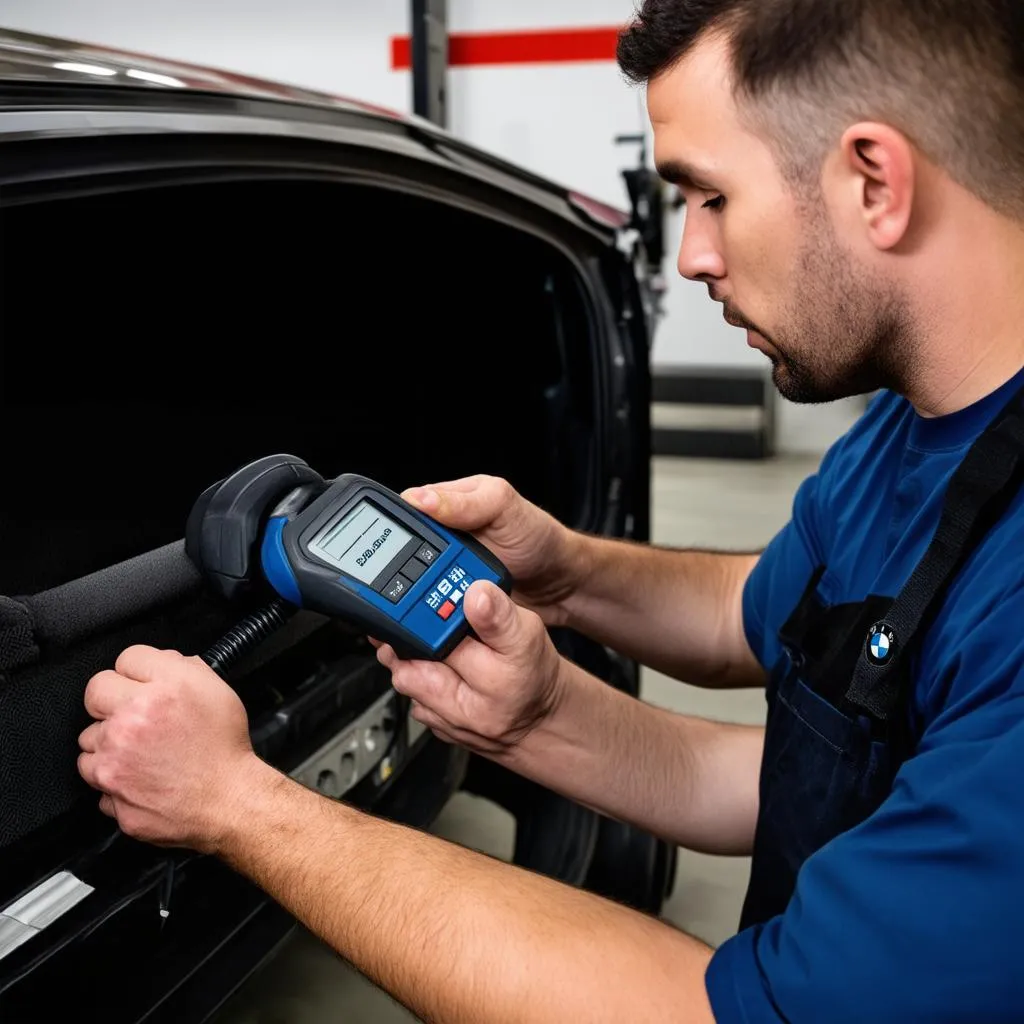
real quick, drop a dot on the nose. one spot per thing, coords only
(700, 256)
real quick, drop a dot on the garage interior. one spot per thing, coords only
(300, 256)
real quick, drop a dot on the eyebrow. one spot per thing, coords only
(683, 175)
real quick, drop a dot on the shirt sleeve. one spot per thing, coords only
(916, 914)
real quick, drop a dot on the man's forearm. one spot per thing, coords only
(679, 612)
(452, 934)
(688, 780)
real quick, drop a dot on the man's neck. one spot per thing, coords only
(971, 322)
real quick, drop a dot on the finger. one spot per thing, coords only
(387, 657)
(429, 682)
(495, 618)
(425, 498)
(107, 691)
(444, 730)
(89, 740)
(465, 483)
(87, 769)
(437, 690)
(468, 509)
(107, 806)
(375, 642)
(434, 722)
(146, 663)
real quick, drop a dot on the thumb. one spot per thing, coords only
(494, 617)
(461, 509)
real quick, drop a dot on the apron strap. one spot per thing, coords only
(978, 493)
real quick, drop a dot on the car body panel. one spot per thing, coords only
(68, 129)
(131, 79)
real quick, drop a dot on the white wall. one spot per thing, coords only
(333, 45)
(558, 120)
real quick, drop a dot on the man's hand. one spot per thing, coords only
(511, 697)
(680, 612)
(169, 749)
(491, 692)
(452, 934)
(535, 547)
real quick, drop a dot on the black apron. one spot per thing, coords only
(839, 711)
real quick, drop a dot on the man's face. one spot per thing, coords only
(830, 323)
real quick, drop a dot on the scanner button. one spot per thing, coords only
(413, 569)
(446, 609)
(427, 555)
(397, 588)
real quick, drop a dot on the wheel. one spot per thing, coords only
(632, 867)
(554, 836)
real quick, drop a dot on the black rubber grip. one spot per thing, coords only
(106, 598)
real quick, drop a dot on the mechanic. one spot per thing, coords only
(854, 177)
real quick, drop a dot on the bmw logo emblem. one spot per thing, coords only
(881, 644)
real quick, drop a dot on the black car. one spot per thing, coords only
(198, 270)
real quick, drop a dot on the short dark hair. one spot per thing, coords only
(949, 74)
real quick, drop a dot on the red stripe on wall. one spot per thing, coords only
(555, 46)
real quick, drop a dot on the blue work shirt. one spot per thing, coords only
(914, 915)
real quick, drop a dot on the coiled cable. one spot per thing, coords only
(253, 629)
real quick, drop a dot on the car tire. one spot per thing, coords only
(632, 867)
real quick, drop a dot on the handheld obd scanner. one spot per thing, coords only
(348, 548)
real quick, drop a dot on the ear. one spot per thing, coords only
(879, 163)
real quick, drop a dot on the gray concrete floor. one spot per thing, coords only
(697, 503)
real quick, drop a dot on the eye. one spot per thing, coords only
(714, 204)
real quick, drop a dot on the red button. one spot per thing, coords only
(446, 609)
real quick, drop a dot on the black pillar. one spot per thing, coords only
(430, 60)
